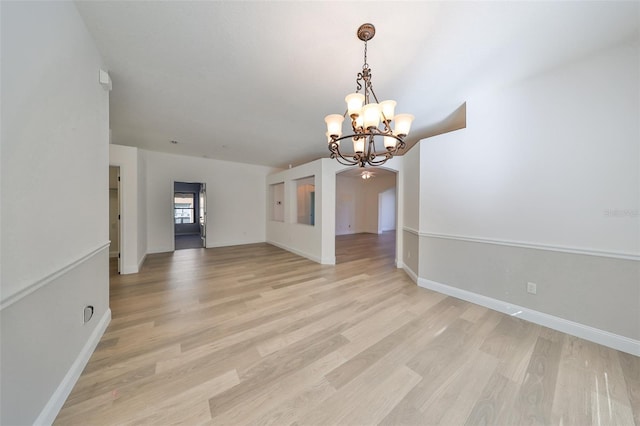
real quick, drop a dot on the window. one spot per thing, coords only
(184, 207)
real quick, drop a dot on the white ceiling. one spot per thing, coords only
(252, 81)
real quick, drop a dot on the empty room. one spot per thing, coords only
(320, 213)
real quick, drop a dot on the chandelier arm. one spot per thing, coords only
(362, 159)
(373, 93)
(367, 85)
(379, 162)
(371, 148)
(334, 148)
(358, 84)
(372, 132)
(342, 160)
(345, 162)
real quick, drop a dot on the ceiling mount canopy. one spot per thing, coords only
(370, 120)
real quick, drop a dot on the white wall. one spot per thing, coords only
(410, 210)
(304, 188)
(411, 182)
(372, 188)
(54, 214)
(543, 161)
(277, 202)
(387, 210)
(542, 186)
(348, 198)
(43, 105)
(236, 200)
(317, 242)
(357, 208)
(126, 158)
(305, 240)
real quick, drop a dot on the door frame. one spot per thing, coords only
(121, 248)
(172, 212)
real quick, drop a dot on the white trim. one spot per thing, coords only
(47, 279)
(586, 332)
(522, 244)
(411, 230)
(325, 261)
(144, 257)
(128, 269)
(410, 272)
(160, 250)
(232, 243)
(57, 400)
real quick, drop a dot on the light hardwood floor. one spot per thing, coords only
(256, 335)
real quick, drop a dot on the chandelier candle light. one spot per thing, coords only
(370, 119)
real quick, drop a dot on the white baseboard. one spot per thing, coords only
(128, 269)
(216, 244)
(328, 261)
(55, 403)
(160, 250)
(409, 272)
(586, 332)
(323, 261)
(144, 257)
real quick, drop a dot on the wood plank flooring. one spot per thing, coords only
(256, 335)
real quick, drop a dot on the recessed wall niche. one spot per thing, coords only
(306, 200)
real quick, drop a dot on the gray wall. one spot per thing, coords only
(411, 252)
(44, 335)
(597, 291)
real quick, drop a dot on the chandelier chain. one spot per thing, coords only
(365, 65)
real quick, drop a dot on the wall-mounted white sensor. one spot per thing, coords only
(105, 80)
(88, 313)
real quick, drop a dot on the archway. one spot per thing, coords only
(365, 221)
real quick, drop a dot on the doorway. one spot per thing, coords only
(114, 220)
(366, 215)
(189, 215)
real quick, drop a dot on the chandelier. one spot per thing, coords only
(370, 120)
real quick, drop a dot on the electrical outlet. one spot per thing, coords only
(532, 288)
(88, 313)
